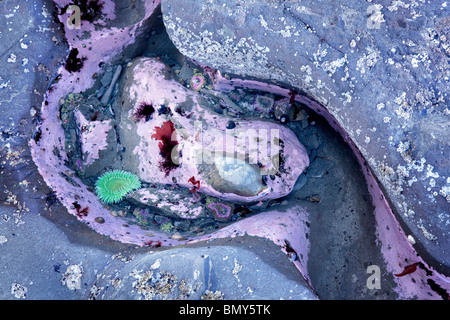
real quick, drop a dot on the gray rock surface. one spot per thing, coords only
(46, 253)
(381, 69)
(209, 273)
(319, 167)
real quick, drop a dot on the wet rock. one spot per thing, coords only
(319, 167)
(160, 220)
(182, 224)
(301, 115)
(107, 77)
(196, 273)
(114, 213)
(312, 155)
(301, 181)
(312, 141)
(235, 176)
(107, 95)
(177, 236)
(387, 88)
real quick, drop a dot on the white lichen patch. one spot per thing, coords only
(19, 291)
(332, 66)
(72, 277)
(285, 33)
(12, 58)
(210, 295)
(307, 77)
(319, 55)
(237, 267)
(444, 218)
(4, 84)
(11, 199)
(3, 239)
(152, 284)
(45, 12)
(429, 172)
(398, 4)
(403, 146)
(156, 264)
(368, 60)
(13, 157)
(243, 52)
(403, 110)
(425, 232)
(376, 17)
(445, 192)
(347, 98)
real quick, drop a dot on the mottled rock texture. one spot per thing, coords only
(380, 68)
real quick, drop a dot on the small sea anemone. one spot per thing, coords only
(112, 186)
(197, 81)
(144, 111)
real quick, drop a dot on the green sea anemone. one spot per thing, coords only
(112, 186)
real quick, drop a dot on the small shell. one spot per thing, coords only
(177, 236)
(411, 239)
(99, 220)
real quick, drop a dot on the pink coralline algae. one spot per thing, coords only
(73, 193)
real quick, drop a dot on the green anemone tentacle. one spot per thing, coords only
(112, 186)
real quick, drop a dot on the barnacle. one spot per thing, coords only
(112, 186)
